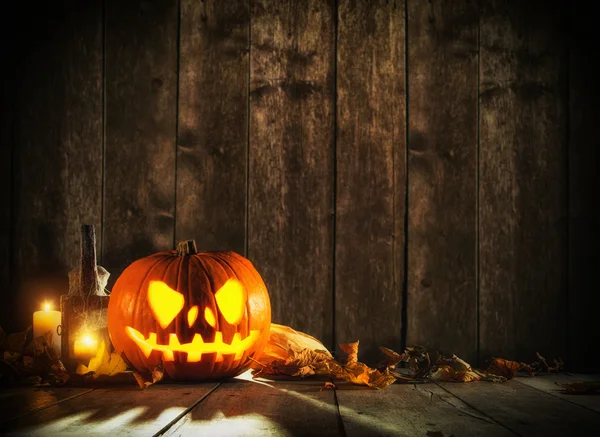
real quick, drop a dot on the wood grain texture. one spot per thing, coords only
(522, 180)
(370, 155)
(525, 410)
(213, 130)
(410, 410)
(126, 410)
(8, 79)
(141, 90)
(291, 159)
(550, 384)
(58, 149)
(442, 176)
(19, 401)
(257, 409)
(584, 142)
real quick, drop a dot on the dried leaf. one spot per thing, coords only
(297, 363)
(541, 365)
(505, 368)
(391, 361)
(12, 356)
(418, 361)
(558, 364)
(359, 373)
(328, 386)
(282, 339)
(581, 388)
(158, 373)
(448, 373)
(291, 368)
(32, 380)
(16, 342)
(452, 369)
(146, 380)
(490, 377)
(352, 350)
(140, 380)
(58, 373)
(406, 379)
(380, 380)
(305, 357)
(104, 363)
(42, 345)
(288, 356)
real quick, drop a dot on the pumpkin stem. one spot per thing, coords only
(187, 247)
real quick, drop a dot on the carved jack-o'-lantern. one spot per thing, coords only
(202, 314)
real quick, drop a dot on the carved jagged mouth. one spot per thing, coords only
(196, 348)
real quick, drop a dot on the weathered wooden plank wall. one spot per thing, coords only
(442, 175)
(212, 146)
(58, 149)
(140, 130)
(291, 158)
(398, 171)
(370, 156)
(8, 78)
(522, 185)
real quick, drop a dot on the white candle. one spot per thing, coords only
(47, 320)
(85, 348)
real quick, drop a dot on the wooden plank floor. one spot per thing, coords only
(241, 407)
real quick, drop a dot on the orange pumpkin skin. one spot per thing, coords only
(168, 307)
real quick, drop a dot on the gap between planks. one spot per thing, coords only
(563, 395)
(519, 407)
(341, 426)
(468, 404)
(35, 410)
(168, 426)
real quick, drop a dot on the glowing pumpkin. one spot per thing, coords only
(202, 314)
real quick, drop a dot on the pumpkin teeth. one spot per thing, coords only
(173, 341)
(136, 335)
(196, 348)
(194, 357)
(236, 343)
(168, 355)
(197, 341)
(237, 339)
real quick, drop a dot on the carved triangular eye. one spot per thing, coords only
(231, 300)
(165, 302)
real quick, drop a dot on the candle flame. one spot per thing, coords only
(87, 340)
(46, 306)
